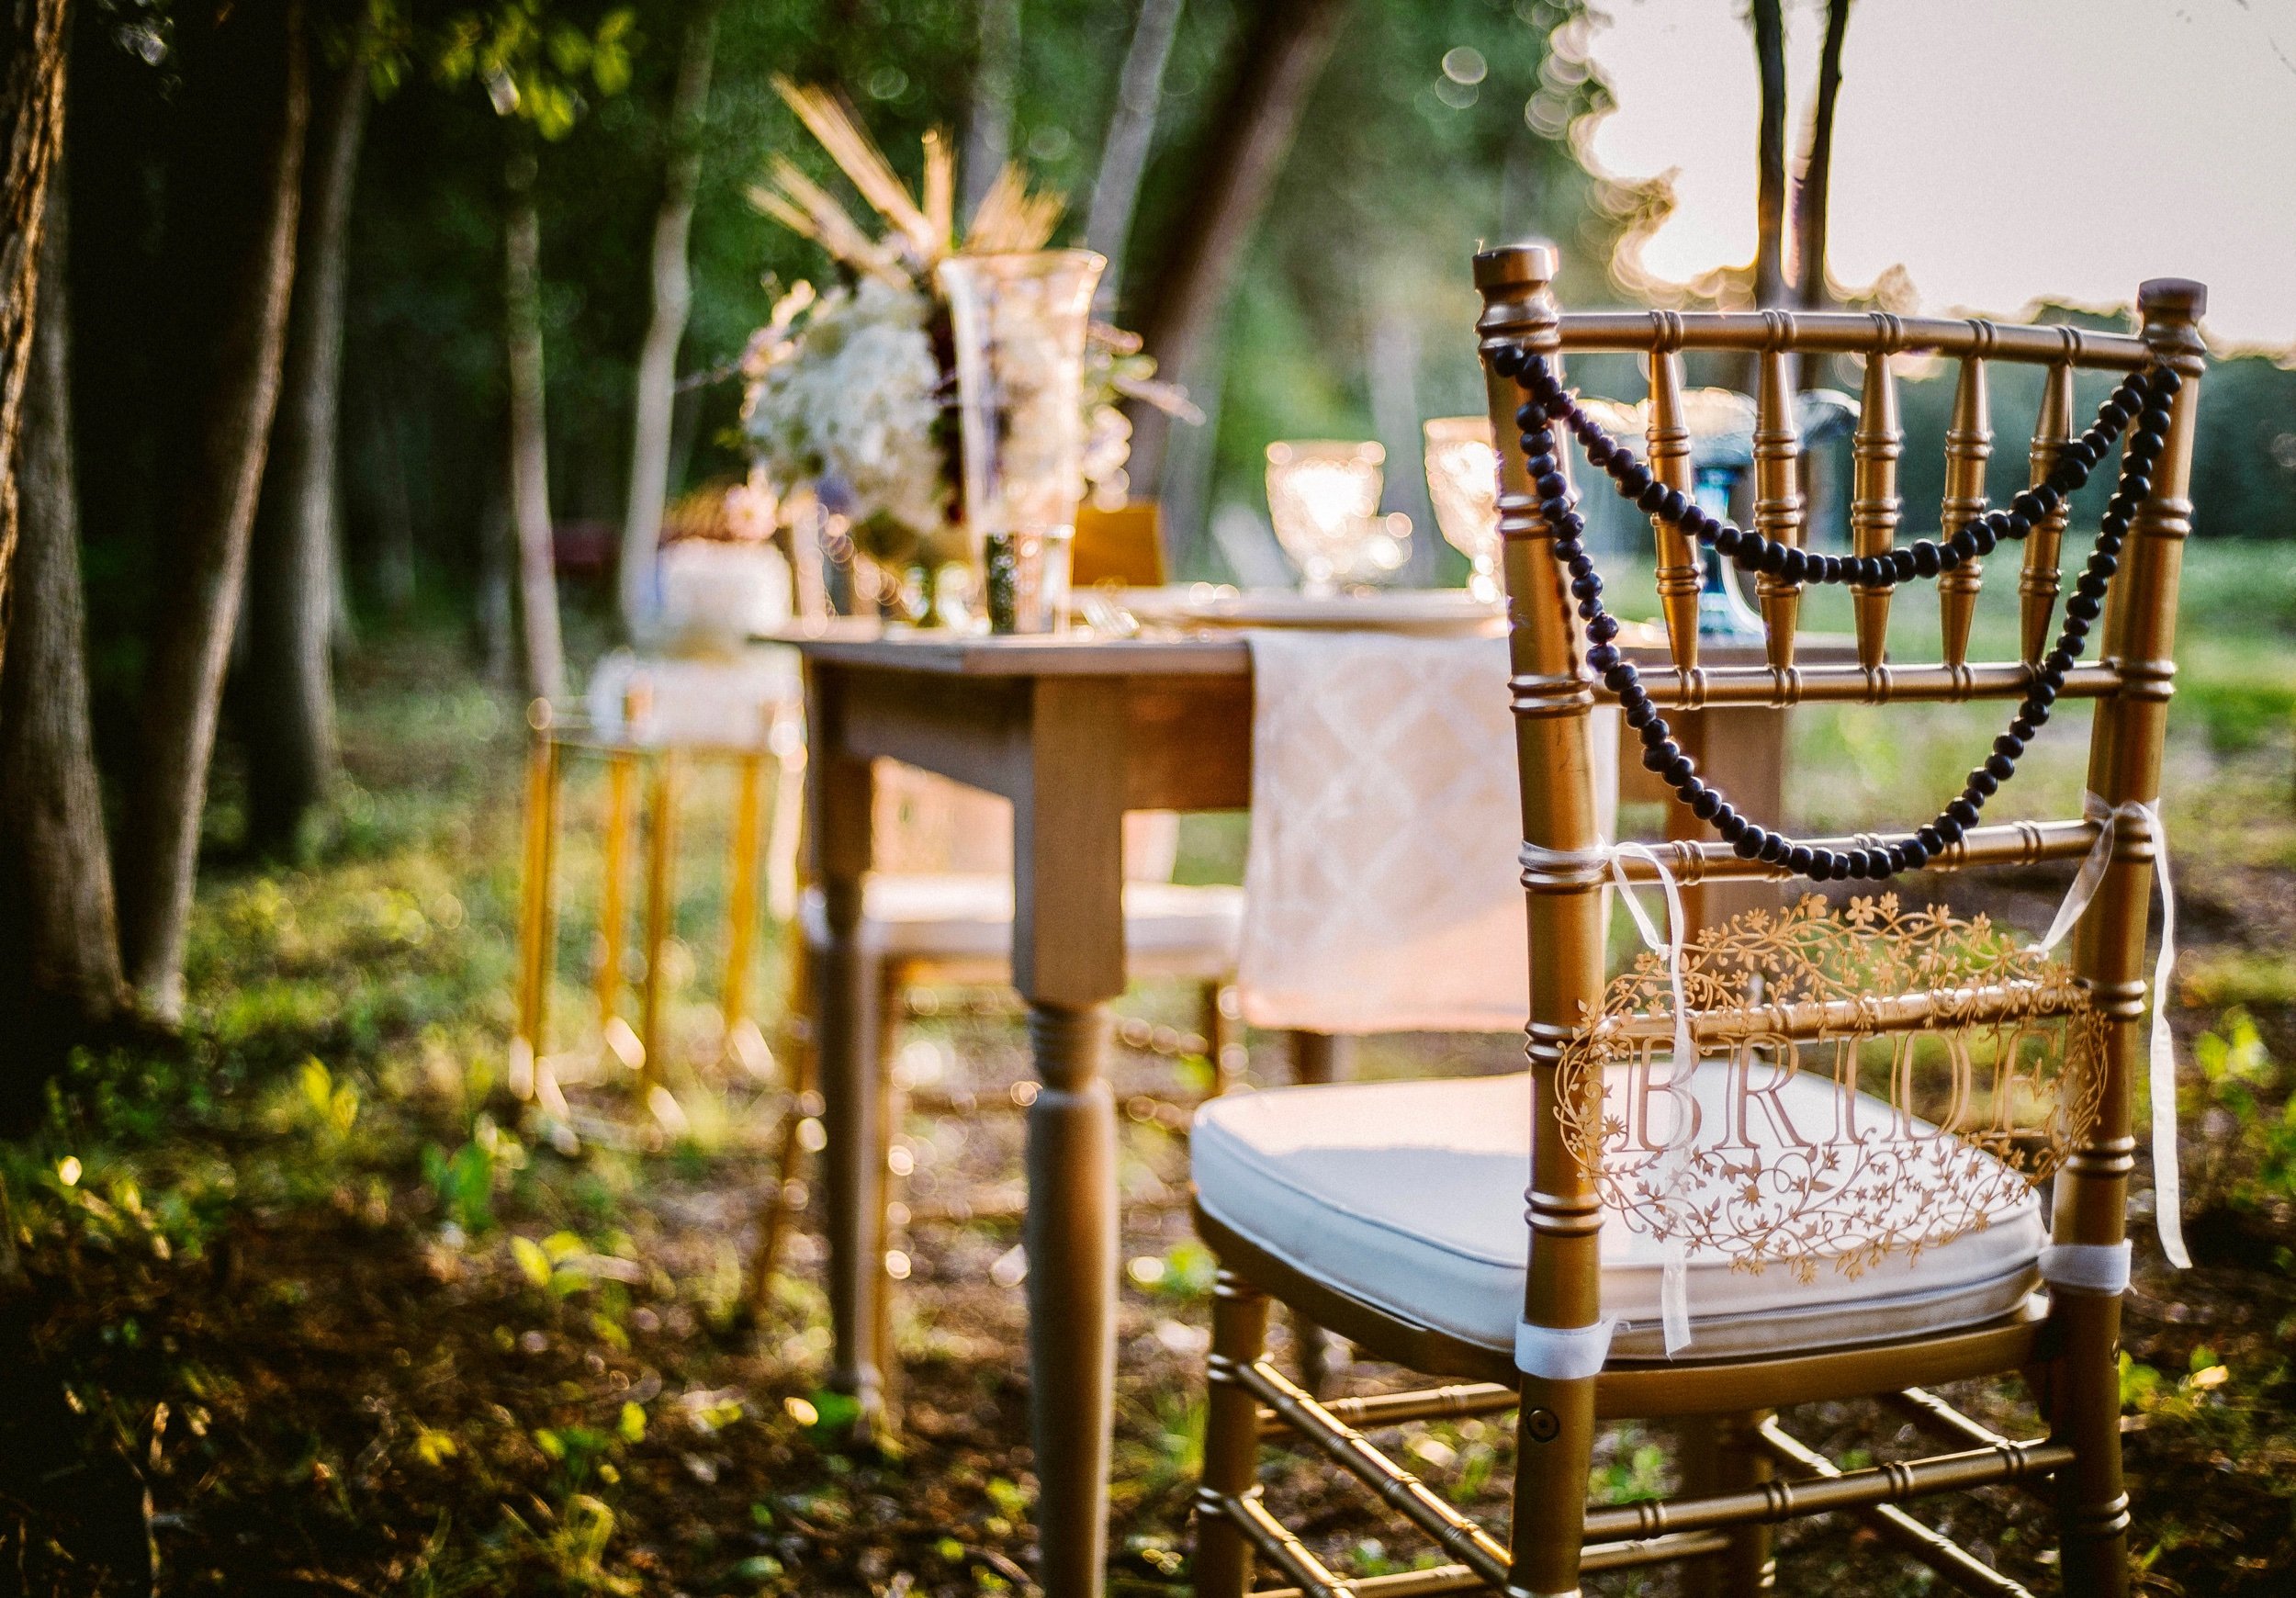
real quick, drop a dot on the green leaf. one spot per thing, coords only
(533, 1263)
(632, 1425)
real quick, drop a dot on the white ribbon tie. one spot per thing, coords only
(2167, 1187)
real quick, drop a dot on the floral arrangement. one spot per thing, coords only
(852, 387)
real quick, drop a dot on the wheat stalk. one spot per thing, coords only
(862, 162)
(1010, 220)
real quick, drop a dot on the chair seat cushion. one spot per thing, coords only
(1408, 1197)
(1170, 928)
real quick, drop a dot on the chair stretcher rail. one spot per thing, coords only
(1475, 1397)
(1453, 1533)
(1940, 1553)
(1441, 1579)
(1852, 1489)
(1926, 1410)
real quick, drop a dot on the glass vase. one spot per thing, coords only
(1020, 324)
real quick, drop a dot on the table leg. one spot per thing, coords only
(1068, 961)
(845, 1024)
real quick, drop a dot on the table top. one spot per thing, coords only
(1211, 652)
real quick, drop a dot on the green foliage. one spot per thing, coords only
(1638, 1472)
(467, 1181)
(532, 60)
(2248, 1119)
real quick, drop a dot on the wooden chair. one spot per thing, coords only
(1390, 1210)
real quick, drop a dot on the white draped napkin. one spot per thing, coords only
(1382, 893)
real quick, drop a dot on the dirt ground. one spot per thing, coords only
(299, 1304)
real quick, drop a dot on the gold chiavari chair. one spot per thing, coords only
(645, 779)
(1816, 1241)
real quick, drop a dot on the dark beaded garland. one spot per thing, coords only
(2141, 398)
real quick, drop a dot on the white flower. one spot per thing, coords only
(848, 387)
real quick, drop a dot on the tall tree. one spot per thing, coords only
(289, 731)
(1131, 133)
(235, 189)
(995, 83)
(60, 978)
(1280, 57)
(32, 44)
(529, 431)
(536, 65)
(673, 302)
(1769, 23)
(1813, 198)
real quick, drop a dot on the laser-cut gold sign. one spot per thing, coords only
(1871, 1080)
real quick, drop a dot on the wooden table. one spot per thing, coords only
(1075, 731)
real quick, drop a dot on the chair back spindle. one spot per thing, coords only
(1968, 446)
(2037, 584)
(1777, 487)
(1874, 506)
(1679, 571)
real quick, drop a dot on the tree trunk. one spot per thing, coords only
(1814, 197)
(1131, 135)
(234, 192)
(290, 727)
(390, 497)
(1281, 58)
(529, 439)
(498, 565)
(665, 330)
(32, 44)
(59, 937)
(1769, 22)
(988, 121)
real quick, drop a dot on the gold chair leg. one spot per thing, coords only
(613, 913)
(797, 1059)
(1554, 1449)
(660, 842)
(741, 898)
(1317, 1057)
(891, 1107)
(2084, 1385)
(1231, 1436)
(1718, 1454)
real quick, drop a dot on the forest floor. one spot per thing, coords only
(304, 1303)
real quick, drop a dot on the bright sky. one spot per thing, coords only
(2001, 151)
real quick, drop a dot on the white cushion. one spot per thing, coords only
(1408, 1196)
(1169, 927)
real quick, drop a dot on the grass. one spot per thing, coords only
(354, 1323)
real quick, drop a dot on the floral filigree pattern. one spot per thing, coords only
(1871, 1080)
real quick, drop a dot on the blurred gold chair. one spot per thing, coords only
(1122, 545)
(648, 767)
(1813, 1241)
